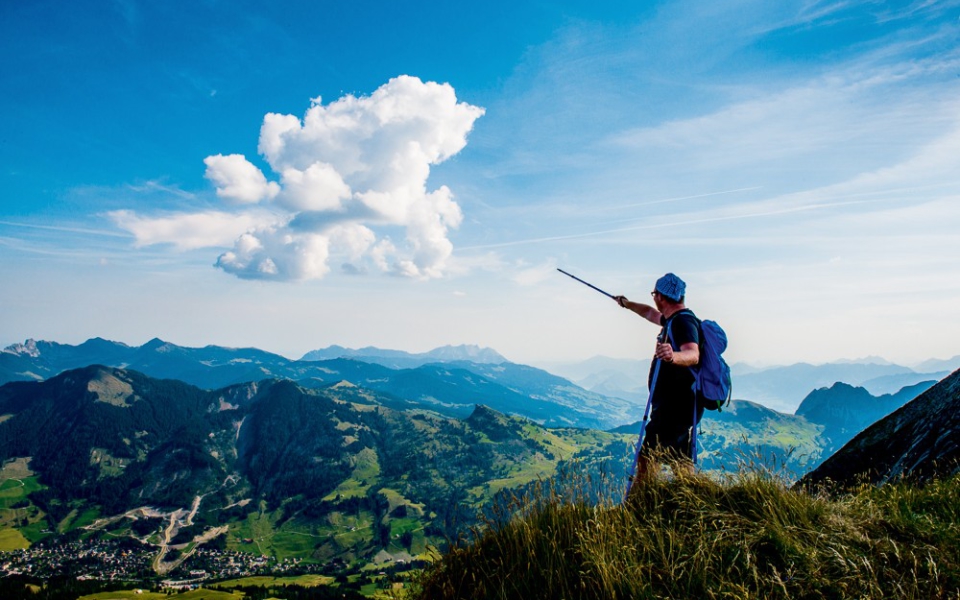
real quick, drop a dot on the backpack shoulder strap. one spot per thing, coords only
(690, 313)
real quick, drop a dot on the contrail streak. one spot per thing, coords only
(662, 225)
(805, 207)
(65, 229)
(679, 198)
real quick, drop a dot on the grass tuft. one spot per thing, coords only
(746, 535)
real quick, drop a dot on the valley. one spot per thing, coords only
(341, 478)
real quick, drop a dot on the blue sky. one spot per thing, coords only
(409, 176)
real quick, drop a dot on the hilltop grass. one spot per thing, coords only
(366, 473)
(12, 539)
(748, 536)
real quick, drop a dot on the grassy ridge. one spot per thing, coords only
(265, 581)
(694, 537)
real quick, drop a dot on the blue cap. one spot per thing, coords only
(671, 286)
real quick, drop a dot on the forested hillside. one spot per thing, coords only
(115, 451)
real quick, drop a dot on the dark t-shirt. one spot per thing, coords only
(673, 396)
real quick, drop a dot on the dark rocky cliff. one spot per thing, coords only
(919, 441)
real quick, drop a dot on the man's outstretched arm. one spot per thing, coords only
(644, 310)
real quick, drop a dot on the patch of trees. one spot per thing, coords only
(291, 445)
(186, 534)
(142, 527)
(62, 423)
(48, 501)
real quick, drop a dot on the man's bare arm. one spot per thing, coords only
(646, 311)
(688, 356)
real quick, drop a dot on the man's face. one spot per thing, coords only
(657, 300)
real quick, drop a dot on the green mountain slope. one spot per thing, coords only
(322, 474)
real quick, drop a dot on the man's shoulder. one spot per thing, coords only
(686, 315)
(685, 326)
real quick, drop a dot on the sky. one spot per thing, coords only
(411, 175)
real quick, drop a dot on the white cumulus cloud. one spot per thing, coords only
(345, 174)
(186, 231)
(275, 253)
(238, 180)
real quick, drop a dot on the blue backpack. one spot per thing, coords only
(713, 383)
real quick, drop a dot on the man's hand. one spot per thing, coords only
(664, 352)
(621, 300)
(688, 356)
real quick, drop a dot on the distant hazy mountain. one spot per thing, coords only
(920, 440)
(889, 384)
(576, 371)
(451, 388)
(612, 383)
(620, 377)
(737, 369)
(539, 385)
(454, 388)
(781, 387)
(866, 360)
(398, 359)
(934, 365)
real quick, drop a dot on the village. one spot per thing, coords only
(129, 561)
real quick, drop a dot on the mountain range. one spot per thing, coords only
(451, 386)
(782, 388)
(398, 359)
(445, 381)
(338, 457)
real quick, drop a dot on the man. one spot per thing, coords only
(674, 407)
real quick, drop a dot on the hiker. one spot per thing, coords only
(673, 417)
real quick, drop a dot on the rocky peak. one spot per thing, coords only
(28, 348)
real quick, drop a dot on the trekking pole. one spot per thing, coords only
(693, 434)
(586, 284)
(643, 424)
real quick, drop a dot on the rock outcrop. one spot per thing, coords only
(919, 441)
